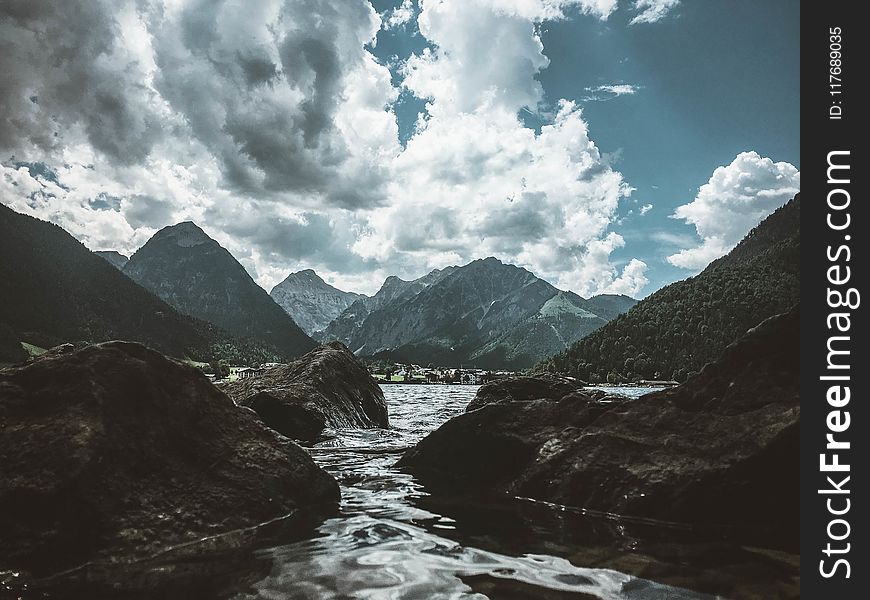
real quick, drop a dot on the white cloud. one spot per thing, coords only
(610, 91)
(652, 11)
(672, 238)
(737, 197)
(399, 16)
(473, 181)
(645, 209)
(263, 88)
(271, 126)
(594, 266)
(631, 281)
(481, 184)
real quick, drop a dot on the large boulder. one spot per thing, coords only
(518, 389)
(721, 449)
(328, 387)
(115, 452)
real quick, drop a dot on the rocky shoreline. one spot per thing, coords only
(115, 452)
(116, 459)
(720, 450)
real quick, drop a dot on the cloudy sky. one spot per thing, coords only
(606, 145)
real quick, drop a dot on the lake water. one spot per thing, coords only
(394, 541)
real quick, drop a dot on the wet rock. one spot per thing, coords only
(600, 395)
(514, 389)
(116, 452)
(721, 449)
(328, 387)
(59, 350)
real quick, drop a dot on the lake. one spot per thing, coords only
(393, 540)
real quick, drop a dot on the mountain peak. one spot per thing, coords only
(310, 301)
(183, 266)
(492, 262)
(185, 234)
(489, 261)
(309, 275)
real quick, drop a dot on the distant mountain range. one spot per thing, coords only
(189, 270)
(55, 290)
(683, 326)
(486, 313)
(344, 327)
(310, 301)
(186, 295)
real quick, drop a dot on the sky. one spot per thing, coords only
(609, 146)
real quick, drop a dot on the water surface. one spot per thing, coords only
(392, 540)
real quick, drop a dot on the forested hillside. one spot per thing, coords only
(55, 290)
(685, 325)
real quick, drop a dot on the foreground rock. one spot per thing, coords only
(116, 452)
(519, 389)
(328, 387)
(721, 449)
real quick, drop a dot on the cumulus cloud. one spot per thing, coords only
(263, 88)
(610, 91)
(645, 209)
(474, 181)
(69, 75)
(271, 125)
(260, 90)
(399, 16)
(652, 11)
(737, 197)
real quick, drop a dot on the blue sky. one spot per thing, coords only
(609, 146)
(713, 78)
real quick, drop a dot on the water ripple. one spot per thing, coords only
(387, 546)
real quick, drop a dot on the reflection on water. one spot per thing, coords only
(393, 540)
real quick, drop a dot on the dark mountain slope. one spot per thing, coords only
(610, 306)
(55, 290)
(344, 328)
(687, 324)
(486, 314)
(192, 272)
(116, 259)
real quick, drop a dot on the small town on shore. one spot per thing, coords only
(381, 372)
(398, 373)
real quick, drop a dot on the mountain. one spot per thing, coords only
(685, 325)
(196, 275)
(610, 306)
(345, 326)
(116, 259)
(311, 302)
(486, 313)
(55, 290)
